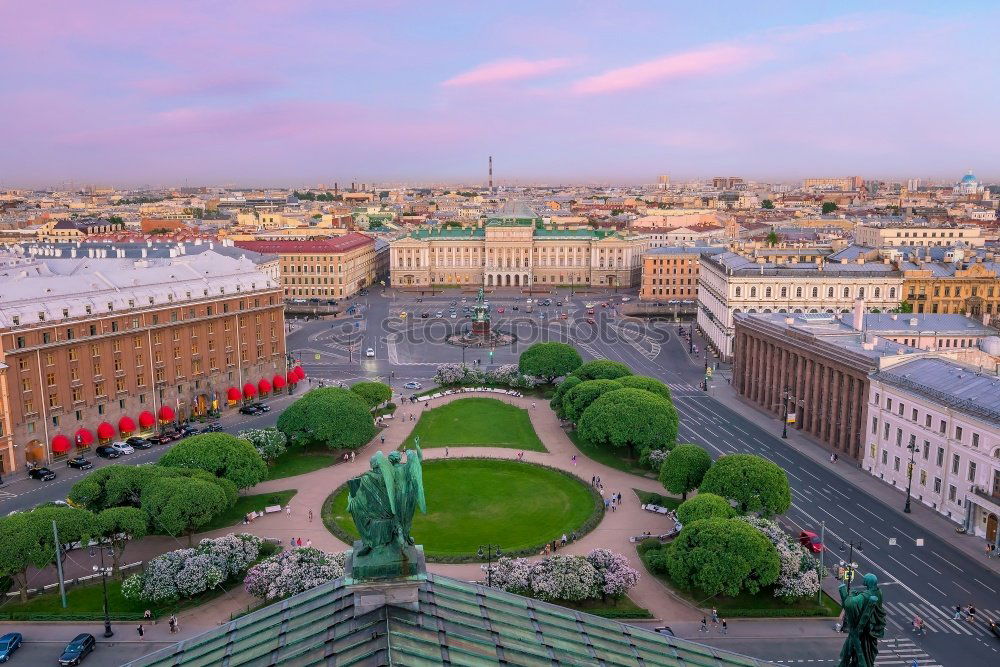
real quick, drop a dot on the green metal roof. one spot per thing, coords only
(449, 233)
(458, 623)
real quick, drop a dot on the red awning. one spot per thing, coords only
(60, 444)
(292, 377)
(233, 394)
(146, 419)
(299, 373)
(83, 438)
(105, 431)
(278, 382)
(166, 413)
(126, 425)
(249, 391)
(264, 387)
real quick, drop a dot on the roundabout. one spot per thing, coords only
(473, 502)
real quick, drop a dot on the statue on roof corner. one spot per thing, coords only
(864, 622)
(382, 502)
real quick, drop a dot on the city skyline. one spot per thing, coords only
(297, 92)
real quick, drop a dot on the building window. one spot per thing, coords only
(958, 433)
(885, 457)
(952, 492)
(975, 439)
(874, 425)
(972, 471)
(913, 414)
(937, 485)
(956, 461)
(923, 478)
(895, 463)
(899, 437)
(927, 421)
(885, 431)
(940, 456)
(888, 404)
(927, 450)
(944, 426)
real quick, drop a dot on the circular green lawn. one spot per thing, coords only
(473, 502)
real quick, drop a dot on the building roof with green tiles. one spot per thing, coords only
(453, 623)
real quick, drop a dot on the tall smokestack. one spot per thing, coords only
(491, 174)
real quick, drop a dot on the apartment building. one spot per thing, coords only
(671, 272)
(962, 283)
(904, 233)
(97, 348)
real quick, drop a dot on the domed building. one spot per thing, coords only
(969, 185)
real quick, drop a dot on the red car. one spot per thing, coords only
(810, 541)
(500, 309)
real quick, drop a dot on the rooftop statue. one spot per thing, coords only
(864, 622)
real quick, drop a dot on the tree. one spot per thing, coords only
(722, 556)
(903, 307)
(116, 485)
(647, 383)
(557, 398)
(767, 203)
(27, 540)
(704, 506)
(220, 454)
(329, 417)
(582, 395)
(269, 442)
(829, 207)
(549, 360)
(180, 505)
(752, 482)
(372, 393)
(684, 468)
(772, 238)
(602, 369)
(631, 419)
(117, 526)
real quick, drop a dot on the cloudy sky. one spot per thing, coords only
(302, 92)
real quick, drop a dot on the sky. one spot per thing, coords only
(302, 92)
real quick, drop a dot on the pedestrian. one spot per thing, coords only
(564, 539)
(446, 452)
(715, 616)
(353, 456)
(573, 460)
(147, 615)
(598, 479)
(173, 625)
(593, 480)
(972, 613)
(725, 627)
(309, 543)
(989, 550)
(310, 516)
(300, 542)
(140, 631)
(383, 439)
(613, 505)
(177, 624)
(292, 542)
(532, 405)
(704, 625)
(958, 613)
(288, 510)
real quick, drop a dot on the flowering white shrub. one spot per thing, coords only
(657, 457)
(617, 576)
(292, 571)
(450, 373)
(188, 572)
(510, 574)
(570, 578)
(505, 374)
(798, 576)
(270, 443)
(601, 573)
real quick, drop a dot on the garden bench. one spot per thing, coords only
(270, 509)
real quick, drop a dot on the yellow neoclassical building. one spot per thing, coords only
(515, 249)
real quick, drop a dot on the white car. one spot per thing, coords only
(370, 352)
(122, 448)
(412, 385)
(454, 315)
(626, 299)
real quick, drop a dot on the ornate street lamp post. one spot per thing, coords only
(909, 474)
(104, 583)
(489, 556)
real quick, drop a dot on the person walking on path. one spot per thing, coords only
(715, 616)
(383, 439)
(288, 510)
(140, 631)
(309, 543)
(147, 616)
(725, 627)
(173, 624)
(446, 452)
(573, 460)
(593, 480)
(958, 613)
(704, 625)
(310, 516)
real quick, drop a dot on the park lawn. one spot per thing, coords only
(610, 457)
(299, 461)
(246, 504)
(473, 502)
(645, 498)
(476, 422)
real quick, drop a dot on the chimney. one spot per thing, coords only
(859, 315)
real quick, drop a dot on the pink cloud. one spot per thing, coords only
(219, 83)
(718, 59)
(508, 70)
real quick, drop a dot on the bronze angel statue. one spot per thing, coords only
(864, 622)
(383, 500)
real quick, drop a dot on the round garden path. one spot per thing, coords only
(612, 533)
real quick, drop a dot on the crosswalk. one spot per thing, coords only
(892, 652)
(941, 619)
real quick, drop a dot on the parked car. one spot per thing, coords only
(157, 440)
(454, 315)
(564, 315)
(263, 407)
(187, 430)
(9, 643)
(412, 385)
(42, 474)
(810, 541)
(424, 316)
(106, 452)
(210, 428)
(78, 649)
(79, 463)
(370, 352)
(590, 311)
(138, 443)
(123, 447)
(514, 307)
(250, 410)
(500, 309)
(626, 299)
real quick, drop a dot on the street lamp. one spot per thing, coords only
(851, 566)
(489, 556)
(909, 474)
(784, 418)
(104, 582)
(691, 340)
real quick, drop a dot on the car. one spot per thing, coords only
(590, 311)
(123, 447)
(9, 643)
(811, 541)
(79, 463)
(464, 299)
(604, 304)
(590, 320)
(665, 630)
(249, 410)
(424, 316)
(412, 385)
(419, 300)
(500, 309)
(564, 315)
(78, 649)
(370, 352)
(558, 303)
(263, 407)
(454, 315)
(157, 440)
(527, 301)
(626, 299)
(106, 452)
(454, 302)
(42, 474)
(138, 443)
(514, 307)
(209, 428)
(439, 314)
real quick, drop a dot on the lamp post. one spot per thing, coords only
(851, 566)
(489, 556)
(784, 418)
(104, 583)
(691, 340)
(909, 475)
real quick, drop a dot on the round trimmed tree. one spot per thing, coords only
(372, 393)
(329, 417)
(684, 468)
(649, 384)
(752, 482)
(549, 360)
(602, 369)
(557, 398)
(704, 506)
(631, 419)
(579, 398)
(722, 556)
(220, 454)
(181, 505)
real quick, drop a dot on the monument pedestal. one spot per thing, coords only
(387, 576)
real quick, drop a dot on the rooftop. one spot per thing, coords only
(336, 244)
(950, 383)
(685, 250)
(930, 323)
